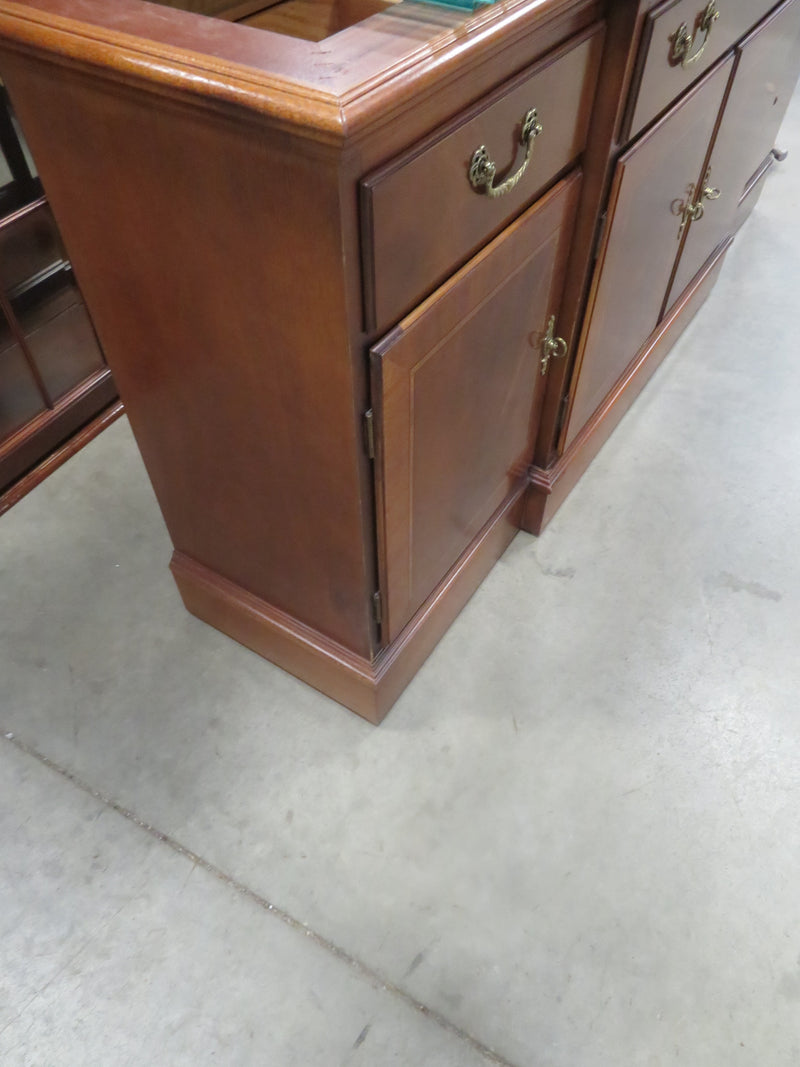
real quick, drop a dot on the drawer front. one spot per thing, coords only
(765, 78)
(662, 76)
(421, 218)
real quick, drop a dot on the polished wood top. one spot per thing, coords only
(335, 88)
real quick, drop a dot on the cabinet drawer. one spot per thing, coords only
(420, 216)
(661, 77)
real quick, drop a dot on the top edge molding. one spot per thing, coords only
(330, 91)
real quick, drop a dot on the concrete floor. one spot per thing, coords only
(575, 842)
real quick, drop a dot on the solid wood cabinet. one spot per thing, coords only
(346, 260)
(680, 191)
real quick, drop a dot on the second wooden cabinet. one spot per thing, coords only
(767, 66)
(679, 192)
(655, 185)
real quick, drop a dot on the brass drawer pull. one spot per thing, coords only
(482, 169)
(552, 347)
(683, 42)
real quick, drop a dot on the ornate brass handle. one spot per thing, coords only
(690, 212)
(482, 169)
(684, 40)
(552, 347)
(708, 192)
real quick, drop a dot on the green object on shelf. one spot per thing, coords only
(462, 5)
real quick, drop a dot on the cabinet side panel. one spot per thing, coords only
(210, 255)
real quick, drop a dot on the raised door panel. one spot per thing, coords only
(766, 73)
(421, 218)
(457, 388)
(651, 185)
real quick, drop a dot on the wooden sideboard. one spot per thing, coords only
(369, 274)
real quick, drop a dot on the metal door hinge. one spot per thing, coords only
(377, 608)
(369, 433)
(563, 407)
(601, 232)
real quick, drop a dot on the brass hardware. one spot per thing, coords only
(691, 210)
(708, 192)
(552, 347)
(482, 169)
(691, 213)
(369, 433)
(684, 40)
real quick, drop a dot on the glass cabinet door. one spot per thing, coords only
(53, 377)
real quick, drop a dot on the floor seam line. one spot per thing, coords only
(364, 969)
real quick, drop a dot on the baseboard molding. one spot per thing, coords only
(549, 487)
(366, 687)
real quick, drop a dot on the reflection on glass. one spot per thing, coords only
(30, 249)
(20, 399)
(58, 333)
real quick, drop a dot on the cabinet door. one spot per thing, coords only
(457, 389)
(654, 180)
(766, 73)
